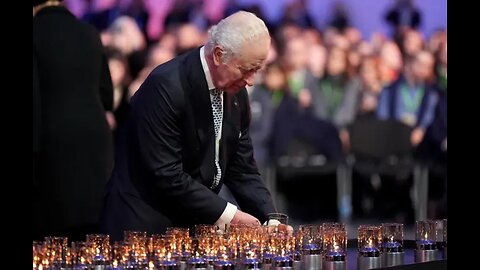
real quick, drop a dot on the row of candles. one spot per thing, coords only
(311, 247)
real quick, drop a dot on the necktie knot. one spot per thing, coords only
(216, 92)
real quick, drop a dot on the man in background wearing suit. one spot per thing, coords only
(188, 134)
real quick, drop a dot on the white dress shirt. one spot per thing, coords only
(231, 209)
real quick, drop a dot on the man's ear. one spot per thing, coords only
(217, 55)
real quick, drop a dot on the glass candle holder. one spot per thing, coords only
(276, 218)
(334, 241)
(310, 238)
(369, 240)
(100, 248)
(392, 237)
(426, 241)
(136, 248)
(369, 246)
(441, 233)
(425, 235)
(57, 249)
(445, 238)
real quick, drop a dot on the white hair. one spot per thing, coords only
(232, 32)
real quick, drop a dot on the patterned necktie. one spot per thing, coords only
(217, 121)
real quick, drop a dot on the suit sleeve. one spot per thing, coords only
(242, 176)
(157, 134)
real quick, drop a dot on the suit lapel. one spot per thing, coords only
(199, 97)
(199, 100)
(230, 128)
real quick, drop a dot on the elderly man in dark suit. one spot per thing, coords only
(188, 134)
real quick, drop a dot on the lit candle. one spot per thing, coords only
(370, 250)
(335, 254)
(425, 243)
(392, 246)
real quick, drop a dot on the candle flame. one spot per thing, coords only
(370, 242)
(391, 238)
(426, 235)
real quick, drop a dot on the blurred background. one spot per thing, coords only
(348, 115)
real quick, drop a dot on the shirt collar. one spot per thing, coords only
(206, 70)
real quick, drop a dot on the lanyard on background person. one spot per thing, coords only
(412, 102)
(333, 95)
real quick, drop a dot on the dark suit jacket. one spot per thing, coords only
(165, 162)
(72, 142)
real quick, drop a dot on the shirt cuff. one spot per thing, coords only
(226, 216)
(271, 222)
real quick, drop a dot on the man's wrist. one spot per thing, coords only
(227, 216)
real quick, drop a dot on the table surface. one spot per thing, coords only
(352, 253)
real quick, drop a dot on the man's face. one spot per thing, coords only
(337, 62)
(423, 66)
(296, 54)
(240, 70)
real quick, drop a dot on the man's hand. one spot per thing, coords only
(417, 136)
(345, 138)
(242, 217)
(304, 98)
(275, 225)
(285, 228)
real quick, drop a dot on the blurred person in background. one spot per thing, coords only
(188, 38)
(119, 72)
(441, 66)
(101, 13)
(317, 58)
(74, 150)
(331, 102)
(301, 82)
(296, 13)
(411, 99)
(157, 55)
(188, 135)
(340, 18)
(312, 36)
(265, 97)
(125, 36)
(412, 42)
(370, 87)
(403, 14)
(335, 99)
(391, 62)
